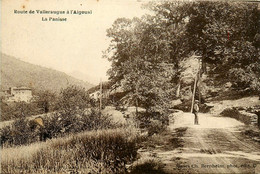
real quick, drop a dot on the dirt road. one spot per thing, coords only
(214, 146)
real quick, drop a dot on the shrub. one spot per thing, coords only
(18, 133)
(151, 166)
(184, 106)
(155, 127)
(62, 122)
(45, 101)
(6, 135)
(42, 102)
(153, 122)
(22, 132)
(18, 110)
(73, 98)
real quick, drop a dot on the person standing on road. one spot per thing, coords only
(195, 111)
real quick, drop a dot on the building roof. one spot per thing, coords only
(21, 88)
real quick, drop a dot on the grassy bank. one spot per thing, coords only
(103, 151)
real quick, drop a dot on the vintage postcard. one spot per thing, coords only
(130, 86)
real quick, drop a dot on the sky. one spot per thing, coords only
(74, 46)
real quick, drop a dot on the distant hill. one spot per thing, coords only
(84, 77)
(15, 72)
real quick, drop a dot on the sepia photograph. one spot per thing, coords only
(130, 87)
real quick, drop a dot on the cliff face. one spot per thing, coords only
(190, 69)
(206, 85)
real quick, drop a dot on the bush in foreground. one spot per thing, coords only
(104, 151)
(151, 166)
(22, 132)
(153, 122)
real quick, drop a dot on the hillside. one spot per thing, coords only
(84, 77)
(15, 72)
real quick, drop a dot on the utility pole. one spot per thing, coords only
(193, 94)
(100, 97)
(201, 70)
(195, 85)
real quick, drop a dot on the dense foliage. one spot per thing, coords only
(70, 99)
(144, 77)
(11, 111)
(24, 131)
(74, 111)
(42, 102)
(146, 52)
(74, 98)
(226, 36)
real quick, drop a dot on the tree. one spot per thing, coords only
(225, 35)
(46, 101)
(73, 98)
(137, 62)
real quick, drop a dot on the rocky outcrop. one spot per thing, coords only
(251, 118)
(187, 77)
(242, 114)
(256, 111)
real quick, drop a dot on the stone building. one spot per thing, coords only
(18, 94)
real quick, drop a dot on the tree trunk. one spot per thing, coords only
(204, 67)
(136, 106)
(178, 89)
(194, 91)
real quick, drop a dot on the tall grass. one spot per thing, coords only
(103, 151)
